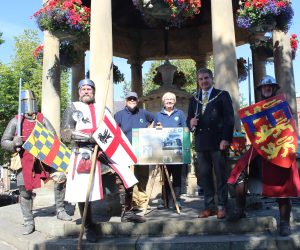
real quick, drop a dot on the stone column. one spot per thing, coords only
(78, 73)
(225, 65)
(136, 76)
(284, 68)
(259, 70)
(51, 81)
(201, 62)
(101, 52)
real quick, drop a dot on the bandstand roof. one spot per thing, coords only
(133, 38)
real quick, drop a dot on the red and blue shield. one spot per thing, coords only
(271, 129)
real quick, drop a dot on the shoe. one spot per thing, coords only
(221, 214)
(62, 215)
(236, 216)
(28, 229)
(284, 228)
(160, 206)
(90, 234)
(130, 216)
(206, 213)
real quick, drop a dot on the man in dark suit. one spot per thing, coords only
(211, 117)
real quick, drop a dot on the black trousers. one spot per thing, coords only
(174, 171)
(209, 161)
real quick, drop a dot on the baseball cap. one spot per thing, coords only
(131, 94)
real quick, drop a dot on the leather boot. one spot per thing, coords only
(285, 208)
(26, 207)
(240, 199)
(59, 197)
(236, 215)
(130, 216)
(284, 228)
(90, 227)
(127, 214)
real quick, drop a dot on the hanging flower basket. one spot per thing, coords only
(68, 20)
(68, 54)
(265, 15)
(172, 13)
(179, 78)
(242, 69)
(294, 45)
(117, 75)
(264, 47)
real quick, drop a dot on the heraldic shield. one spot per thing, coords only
(46, 147)
(271, 129)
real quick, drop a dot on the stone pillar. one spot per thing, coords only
(259, 70)
(78, 73)
(201, 62)
(136, 76)
(284, 68)
(101, 52)
(51, 81)
(225, 65)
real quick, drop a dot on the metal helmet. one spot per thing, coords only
(86, 82)
(268, 80)
(28, 102)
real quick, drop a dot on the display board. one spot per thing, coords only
(162, 146)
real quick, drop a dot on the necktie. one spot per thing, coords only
(205, 101)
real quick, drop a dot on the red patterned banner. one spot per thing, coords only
(271, 129)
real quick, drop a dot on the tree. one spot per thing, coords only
(23, 65)
(1, 40)
(187, 66)
(9, 103)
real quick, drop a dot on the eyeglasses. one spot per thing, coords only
(130, 99)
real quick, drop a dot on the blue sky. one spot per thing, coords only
(15, 17)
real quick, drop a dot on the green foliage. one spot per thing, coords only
(1, 40)
(118, 77)
(30, 70)
(9, 102)
(187, 66)
(148, 84)
(24, 65)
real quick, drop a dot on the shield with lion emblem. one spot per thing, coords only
(271, 129)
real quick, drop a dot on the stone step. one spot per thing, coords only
(168, 223)
(264, 241)
(174, 233)
(11, 233)
(210, 226)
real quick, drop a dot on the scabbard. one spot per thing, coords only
(75, 162)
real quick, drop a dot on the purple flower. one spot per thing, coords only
(270, 8)
(244, 22)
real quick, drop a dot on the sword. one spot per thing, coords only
(197, 108)
(19, 109)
